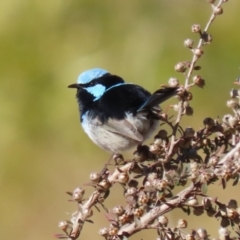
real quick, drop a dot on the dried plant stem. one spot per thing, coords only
(200, 44)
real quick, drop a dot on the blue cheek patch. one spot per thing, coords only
(97, 91)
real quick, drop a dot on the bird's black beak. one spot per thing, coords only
(75, 85)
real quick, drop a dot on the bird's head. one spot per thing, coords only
(96, 81)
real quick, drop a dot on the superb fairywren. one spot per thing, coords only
(114, 114)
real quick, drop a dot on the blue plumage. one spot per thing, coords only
(117, 115)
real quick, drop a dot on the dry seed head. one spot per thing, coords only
(232, 103)
(218, 10)
(118, 158)
(188, 43)
(63, 225)
(189, 111)
(151, 176)
(198, 52)
(153, 148)
(189, 237)
(223, 232)
(196, 28)
(103, 231)
(213, 160)
(234, 93)
(131, 191)
(123, 177)
(163, 220)
(202, 233)
(118, 210)
(78, 194)
(181, 67)
(182, 223)
(233, 121)
(138, 212)
(105, 184)
(208, 123)
(143, 199)
(125, 218)
(158, 142)
(226, 117)
(189, 132)
(232, 213)
(198, 81)
(176, 107)
(95, 176)
(162, 134)
(192, 201)
(173, 82)
(112, 231)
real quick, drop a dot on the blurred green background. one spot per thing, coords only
(44, 46)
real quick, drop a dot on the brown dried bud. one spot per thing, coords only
(151, 176)
(160, 184)
(202, 233)
(232, 103)
(223, 232)
(176, 107)
(232, 213)
(63, 225)
(234, 93)
(189, 111)
(138, 212)
(198, 52)
(141, 154)
(196, 28)
(95, 176)
(189, 132)
(209, 123)
(198, 81)
(143, 199)
(118, 158)
(233, 121)
(181, 67)
(105, 184)
(182, 223)
(123, 177)
(163, 220)
(218, 10)
(118, 210)
(112, 231)
(173, 82)
(162, 134)
(131, 191)
(192, 201)
(213, 160)
(103, 231)
(155, 149)
(78, 194)
(125, 218)
(189, 237)
(188, 43)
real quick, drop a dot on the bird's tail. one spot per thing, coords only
(158, 97)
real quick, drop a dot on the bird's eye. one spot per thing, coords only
(91, 84)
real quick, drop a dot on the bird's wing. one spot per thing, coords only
(121, 127)
(158, 97)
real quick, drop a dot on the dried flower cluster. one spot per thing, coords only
(181, 157)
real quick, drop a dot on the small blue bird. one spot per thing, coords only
(114, 114)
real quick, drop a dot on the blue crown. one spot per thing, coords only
(91, 74)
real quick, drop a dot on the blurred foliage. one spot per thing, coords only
(44, 45)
